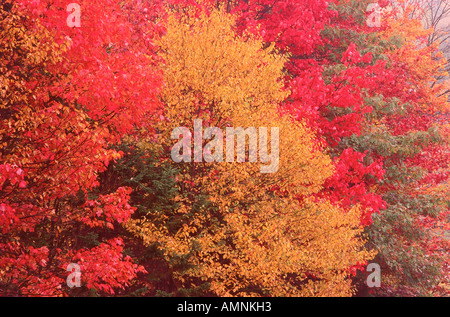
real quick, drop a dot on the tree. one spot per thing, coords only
(234, 230)
(67, 96)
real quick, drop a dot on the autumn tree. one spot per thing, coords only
(230, 229)
(67, 96)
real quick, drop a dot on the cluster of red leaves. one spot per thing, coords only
(11, 178)
(108, 209)
(350, 184)
(100, 87)
(115, 271)
(24, 269)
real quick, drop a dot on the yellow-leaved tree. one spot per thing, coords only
(241, 228)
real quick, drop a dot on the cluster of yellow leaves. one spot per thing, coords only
(424, 62)
(212, 74)
(31, 49)
(249, 240)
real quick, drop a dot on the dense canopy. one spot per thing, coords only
(353, 116)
